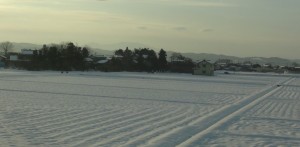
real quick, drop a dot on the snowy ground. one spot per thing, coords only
(140, 109)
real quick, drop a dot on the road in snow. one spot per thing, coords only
(140, 109)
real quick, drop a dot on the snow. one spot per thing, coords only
(141, 109)
(102, 61)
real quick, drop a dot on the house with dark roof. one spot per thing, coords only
(204, 68)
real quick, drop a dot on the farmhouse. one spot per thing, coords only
(204, 68)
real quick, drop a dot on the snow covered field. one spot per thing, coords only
(140, 109)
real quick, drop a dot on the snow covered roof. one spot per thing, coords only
(177, 60)
(27, 51)
(88, 59)
(118, 56)
(266, 65)
(102, 61)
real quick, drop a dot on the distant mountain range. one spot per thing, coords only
(18, 46)
(259, 60)
(109, 50)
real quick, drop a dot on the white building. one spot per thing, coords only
(13, 58)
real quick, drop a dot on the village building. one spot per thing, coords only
(204, 68)
(2, 61)
(27, 52)
(18, 60)
(97, 62)
(294, 70)
(222, 64)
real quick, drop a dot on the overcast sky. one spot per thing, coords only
(232, 27)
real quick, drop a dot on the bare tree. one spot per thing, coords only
(6, 46)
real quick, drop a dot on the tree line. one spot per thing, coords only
(147, 60)
(142, 59)
(68, 56)
(64, 57)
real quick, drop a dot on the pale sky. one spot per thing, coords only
(233, 27)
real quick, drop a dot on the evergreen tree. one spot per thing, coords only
(119, 52)
(162, 60)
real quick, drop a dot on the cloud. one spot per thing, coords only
(67, 15)
(180, 28)
(207, 30)
(142, 27)
(209, 4)
(200, 3)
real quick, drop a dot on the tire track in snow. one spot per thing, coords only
(135, 123)
(282, 104)
(276, 109)
(89, 124)
(91, 129)
(152, 129)
(77, 118)
(51, 118)
(13, 117)
(188, 135)
(36, 123)
(40, 127)
(240, 109)
(10, 138)
(125, 87)
(103, 96)
(128, 135)
(163, 127)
